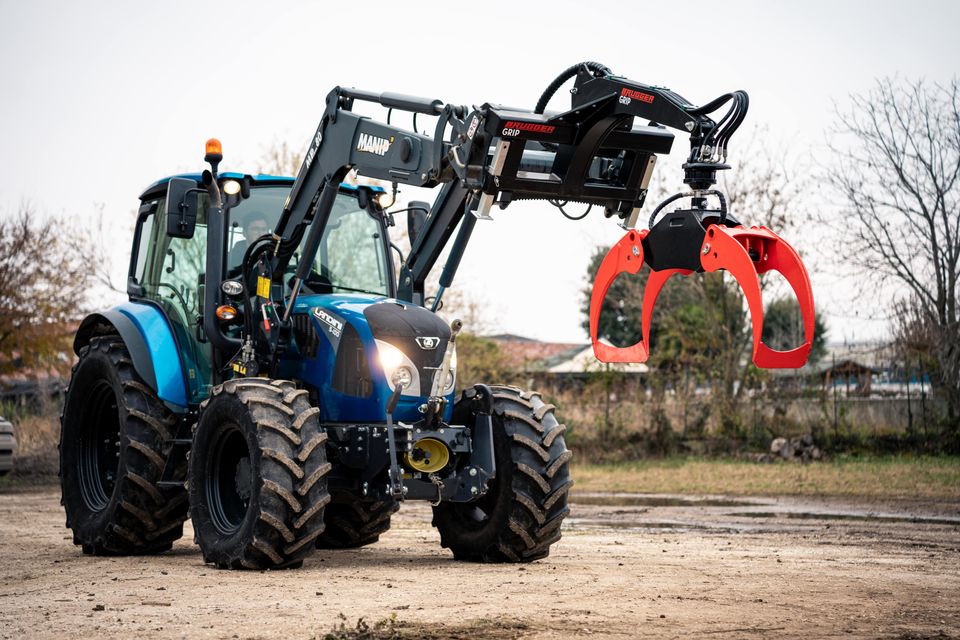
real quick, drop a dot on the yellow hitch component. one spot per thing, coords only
(428, 455)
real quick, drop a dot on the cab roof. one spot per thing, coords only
(260, 179)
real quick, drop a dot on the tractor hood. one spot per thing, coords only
(354, 350)
(415, 331)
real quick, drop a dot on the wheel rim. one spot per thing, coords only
(99, 446)
(230, 481)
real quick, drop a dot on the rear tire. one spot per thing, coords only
(113, 438)
(258, 475)
(356, 524)
(519, 517)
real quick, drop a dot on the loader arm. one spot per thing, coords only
(591, 153)
(594, 153)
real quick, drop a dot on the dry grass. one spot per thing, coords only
(903, 476)
(37, 438)
(895, 477)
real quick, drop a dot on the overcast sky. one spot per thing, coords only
(97, 100)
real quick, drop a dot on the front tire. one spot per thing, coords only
(113, 437)
(356, 524)
(519, 517)
(258, 475)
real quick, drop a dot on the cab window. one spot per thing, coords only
(172, 275)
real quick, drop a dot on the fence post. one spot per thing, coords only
(906, 377)
(923, 400)
(836, 429)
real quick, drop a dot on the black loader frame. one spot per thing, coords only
(592, 153)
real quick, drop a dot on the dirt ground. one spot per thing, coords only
(628, 566)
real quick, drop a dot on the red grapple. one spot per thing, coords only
(745, 253)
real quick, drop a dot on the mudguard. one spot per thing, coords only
(744, 253)
(149, 339)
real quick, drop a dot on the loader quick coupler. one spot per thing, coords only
(688, 241)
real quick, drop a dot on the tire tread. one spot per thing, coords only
(142, 517)
(539, 477)
(292, 487)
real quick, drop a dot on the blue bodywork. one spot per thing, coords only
(318, 371)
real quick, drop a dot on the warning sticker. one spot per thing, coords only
(263, 287)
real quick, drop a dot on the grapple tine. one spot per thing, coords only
(746, 253)
(624, 257)
(651, 292)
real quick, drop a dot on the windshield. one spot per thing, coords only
(352, 254)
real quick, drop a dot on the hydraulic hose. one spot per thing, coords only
(253, 253)
(678, 196)
(597, 69)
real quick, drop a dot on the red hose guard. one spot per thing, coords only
(722, 248)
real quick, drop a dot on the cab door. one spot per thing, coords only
(170, 273)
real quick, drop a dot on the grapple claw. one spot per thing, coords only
(746, 253)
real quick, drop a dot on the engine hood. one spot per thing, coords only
(419, 333)
(336, 337)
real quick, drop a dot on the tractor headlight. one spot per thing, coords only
(399, 369)
(402, 377)
(385, 200)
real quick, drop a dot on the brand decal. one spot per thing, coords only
(317, 139)
(473, 127)
(514, 128)
(334, 326)
(373, 144)
(629, 95)
(428, 342)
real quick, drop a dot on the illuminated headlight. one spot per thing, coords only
(399, 369)
(231, 187)
(385, 200)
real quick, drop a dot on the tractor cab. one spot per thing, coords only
(169, 273)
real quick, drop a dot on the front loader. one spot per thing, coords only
(287, 389)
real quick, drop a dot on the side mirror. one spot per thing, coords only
(182, 205)
(417, 212)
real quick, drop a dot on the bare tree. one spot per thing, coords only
(101, 250)
(279, 158)
(766, 185)
(898, 178)
(46, 269)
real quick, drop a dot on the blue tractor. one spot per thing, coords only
(271, 376)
